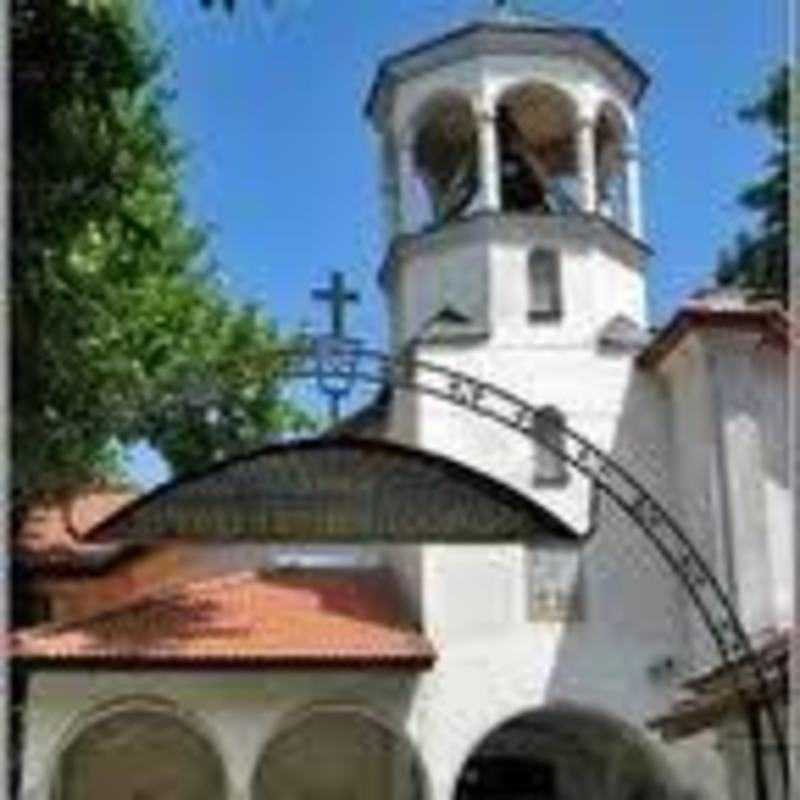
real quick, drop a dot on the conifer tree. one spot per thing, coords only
(759, 258)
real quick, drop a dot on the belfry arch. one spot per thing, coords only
(536, 129)
(445, 153)
(613, 141)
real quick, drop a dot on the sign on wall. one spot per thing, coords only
(555, 584)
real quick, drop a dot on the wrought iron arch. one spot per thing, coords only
(339, 363)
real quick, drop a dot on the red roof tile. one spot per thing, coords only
(284, 618)
(770, 320)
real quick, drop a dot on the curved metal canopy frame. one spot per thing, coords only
(336, 490)
(337, 364)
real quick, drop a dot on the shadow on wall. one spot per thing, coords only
(629, 644)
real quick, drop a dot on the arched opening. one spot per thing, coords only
(139, 754)
(536, 126)
(611, 143)
(446, 156)
(565, 753)
(338, 754)
(544, 285)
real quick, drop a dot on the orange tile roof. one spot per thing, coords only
(773, 322)
(288, 618)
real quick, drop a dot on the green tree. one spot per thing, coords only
(759, 259)
(120, 332)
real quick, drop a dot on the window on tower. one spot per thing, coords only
(544, 285)
(548, 429)
(536, 124)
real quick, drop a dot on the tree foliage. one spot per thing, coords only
(759, 259)
(120, 332)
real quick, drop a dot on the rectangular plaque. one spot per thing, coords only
(555, 584)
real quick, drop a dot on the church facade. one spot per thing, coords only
(472, 617)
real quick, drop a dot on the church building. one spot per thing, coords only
(552, 559)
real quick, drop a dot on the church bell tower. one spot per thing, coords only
(515, 253)
(510, 176)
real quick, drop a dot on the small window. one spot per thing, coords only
(544, 286)
(549, 468)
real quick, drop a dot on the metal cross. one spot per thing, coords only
(338, 295)
(336, 357)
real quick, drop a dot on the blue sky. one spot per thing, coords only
(282, 163)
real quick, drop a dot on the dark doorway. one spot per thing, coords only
(506, 778)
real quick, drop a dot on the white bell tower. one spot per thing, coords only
(511, 184)
(510, 169)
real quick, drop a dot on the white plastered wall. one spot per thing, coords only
(695, 473)
(730, 461)
(544, 363)
(772, 377)
(474, 600)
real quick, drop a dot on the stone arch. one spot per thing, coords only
(356, 752)
(443, 136)
(536, 131)
(113, 740)
(566, 751)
